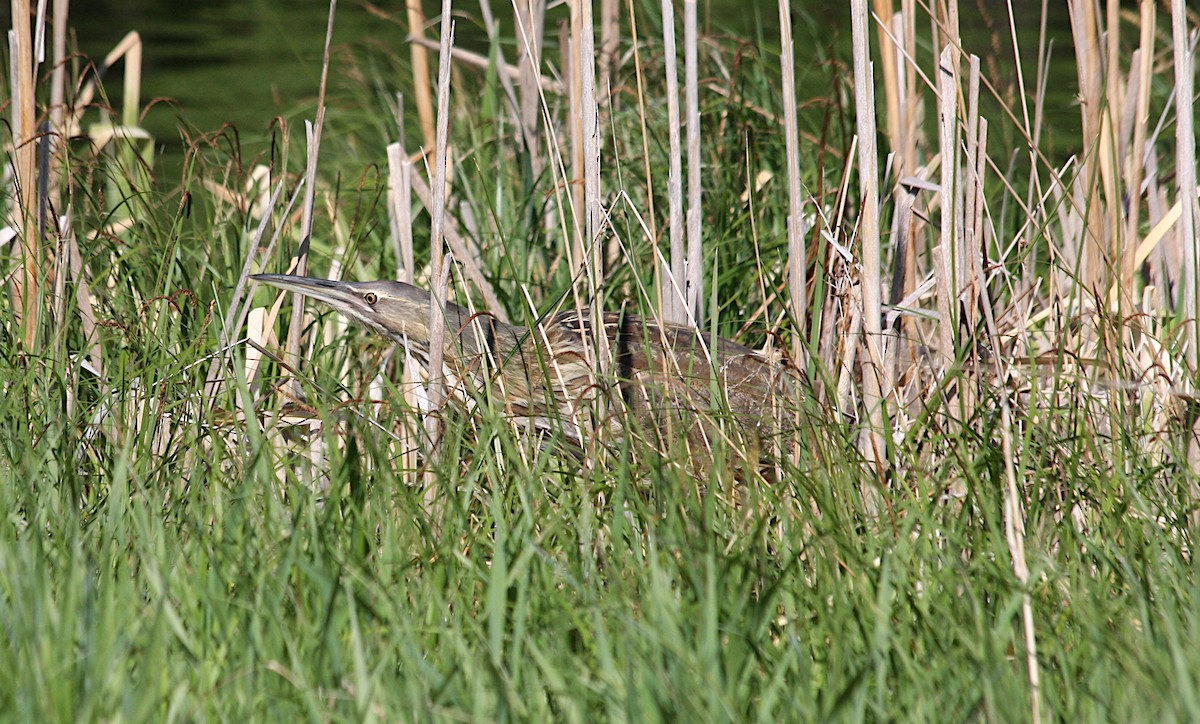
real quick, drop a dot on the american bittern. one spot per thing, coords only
(666, 374)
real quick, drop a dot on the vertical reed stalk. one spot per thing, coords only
(422, 91)
(1137, 151)
(797, 261)
(872, 443)
(651, 217)
(569, 46)
(946, 271)
(671, 296)
(58, 94)
(889, 64)
(530, 21)
(439, 269)
(1085, 32)
(400, 171)
(24, 100)
(1185, 165)
(610, 39)
(1032, 129)
(695, 250)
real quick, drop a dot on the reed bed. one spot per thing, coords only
(985, 505)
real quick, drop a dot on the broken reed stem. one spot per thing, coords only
(400, 170)
(872, 441)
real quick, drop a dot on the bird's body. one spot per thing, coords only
(667, 375)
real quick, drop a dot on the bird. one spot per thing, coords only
(675, 382)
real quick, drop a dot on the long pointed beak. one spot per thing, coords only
(339, 295)
(346, 298)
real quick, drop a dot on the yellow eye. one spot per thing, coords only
(370, 298)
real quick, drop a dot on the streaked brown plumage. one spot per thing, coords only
(662, 371)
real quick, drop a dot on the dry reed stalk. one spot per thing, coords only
(400, 174)
(422, 90)
(911, 102)
(1088, 245)
(400, 171)
(610, 44)
(672, 294)
(438, 267)
(872, 442)
(970, 199)
(1189, 220)
(906, 226)
(834, 306)
(797, 256)
(976, 225)
(1185, 169)
(635, 41)
(691, 88)
(948, 252)
(58, 302)
(1142, 73)
(132, 85)
(852, 321)
(589, 117)
(576, 251)
(889, 66)
(505, 71)
(531, 17)
(596, 349)
(58, 94)
(24, 217)
(83, 299)
(904, 249)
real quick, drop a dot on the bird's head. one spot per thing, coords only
(393, 309)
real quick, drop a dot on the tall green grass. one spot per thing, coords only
(178, 547)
